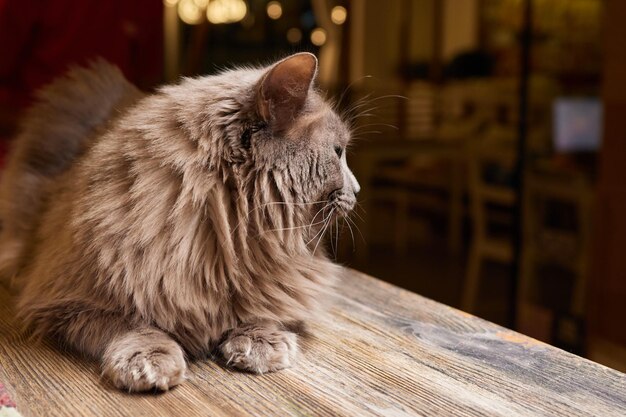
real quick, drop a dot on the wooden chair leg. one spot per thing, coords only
(402, 223)
(580, 285)
(472, 279)
(455, 209)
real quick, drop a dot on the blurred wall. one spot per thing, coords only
(460, 27)
(608, 279)
(421, 32)
(381, 29)
(375, 38)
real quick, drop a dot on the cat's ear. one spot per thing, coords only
(283, 90)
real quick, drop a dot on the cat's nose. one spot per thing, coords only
(355, 187)
(355, 184)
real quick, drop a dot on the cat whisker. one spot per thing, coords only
(321, 236)
(319, 211)
(347, 222)
(362, 102)
(356, 213)
(314, 217)
(336, 237)
(264, 205)
(370, 111)
(366, 110)
(308, 226)
(376, 124)
(361, 115)
(329, 217)
(359, 134)
(321, 231)
(332, 244)
(345, 90)
(281, 229)
(357, 228)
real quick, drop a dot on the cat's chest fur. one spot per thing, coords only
(173, 243)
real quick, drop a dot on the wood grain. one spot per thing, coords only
(378, 350)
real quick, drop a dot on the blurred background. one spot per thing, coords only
(489, 135)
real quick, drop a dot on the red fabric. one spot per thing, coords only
(41, 38)
(5, 400)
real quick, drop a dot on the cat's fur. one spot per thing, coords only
(144, 229)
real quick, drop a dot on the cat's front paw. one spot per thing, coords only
(260, 348)
(144, 361)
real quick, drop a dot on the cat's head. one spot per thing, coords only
(296, 135)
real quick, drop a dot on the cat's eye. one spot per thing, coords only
(245, 138)
(339, 151)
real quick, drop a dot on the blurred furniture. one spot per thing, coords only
(439, 119)
(556, 233)
(491, 158)
(565, 245)
(434, 184)
(379, 350)
(381, 166)
(425, 174)
(490, 161)
(419, 111)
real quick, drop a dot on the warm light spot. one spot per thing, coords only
(517, 338)
(170, 3)
(338, 15)
(201, 3)
(318, 37)
(294, 35)
(189, 12)
(274, 10)
(226, 11)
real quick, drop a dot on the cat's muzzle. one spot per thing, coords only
(342, 202)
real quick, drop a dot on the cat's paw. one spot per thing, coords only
(144, 361)
(260, 349)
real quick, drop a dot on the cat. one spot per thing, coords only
(145, 230)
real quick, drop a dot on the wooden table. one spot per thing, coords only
(379, 350)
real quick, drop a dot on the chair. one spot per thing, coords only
(432, 179)
(566, 246)
(433, 183)
(490, 164)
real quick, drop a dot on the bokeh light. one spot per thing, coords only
(189, 12)
(226, 11)
(274, 10)
(338, 15)
(294, 35)
(318, 37)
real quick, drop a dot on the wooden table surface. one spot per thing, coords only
(378, 350)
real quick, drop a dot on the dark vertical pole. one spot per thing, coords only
(520, 166)
(436, 68)
(436, 64)
(405, 26)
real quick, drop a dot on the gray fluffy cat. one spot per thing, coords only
(141, 229)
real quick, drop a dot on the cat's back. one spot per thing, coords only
(67, 116)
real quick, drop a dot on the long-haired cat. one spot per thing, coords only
(144, 229)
